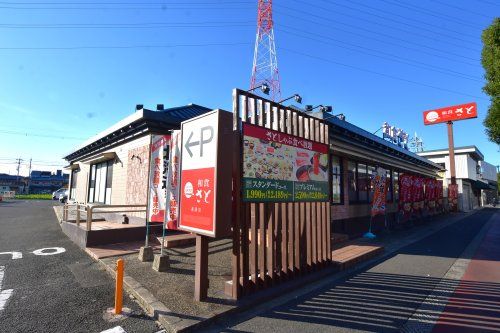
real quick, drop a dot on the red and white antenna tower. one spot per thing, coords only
(265, 65)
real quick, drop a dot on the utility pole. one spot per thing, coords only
(29, 179)
(19, 160)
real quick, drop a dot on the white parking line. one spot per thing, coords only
(116, 329)
(14, 254)
(4, 294)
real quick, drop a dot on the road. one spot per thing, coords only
(413, 283)
(59, 289)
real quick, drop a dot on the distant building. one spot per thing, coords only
(46, 181)
(476, 179)
(12, 183)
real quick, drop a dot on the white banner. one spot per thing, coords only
(157, 177)
(173, 181)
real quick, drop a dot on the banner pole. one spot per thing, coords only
(168, 194)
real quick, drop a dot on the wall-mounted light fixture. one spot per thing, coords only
(297, 98)
(323, 108)
(136, 157)
(264, 87)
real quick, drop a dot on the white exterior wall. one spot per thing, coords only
(119, 182)
(465, 166)
(488, 171)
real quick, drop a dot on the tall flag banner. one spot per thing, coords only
(439, 194)
(453, 196)
(173, 181)
(430, 193)
(405, 195)
(379, 184)
(418, 193)
(157, 178)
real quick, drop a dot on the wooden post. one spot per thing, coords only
(201, 269)
(119, 286)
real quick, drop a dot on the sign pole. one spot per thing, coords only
(201, 269)
(451, 147)
(169, 190)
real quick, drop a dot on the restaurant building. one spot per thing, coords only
(114, 167)
(355, 155)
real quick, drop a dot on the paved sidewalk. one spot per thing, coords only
(170, 295)
(475, 304)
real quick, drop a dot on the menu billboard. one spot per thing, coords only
(280, 167)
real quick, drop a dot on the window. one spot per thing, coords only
(389, 185)
(351, 181)
(72, 189)
(363, 183)
(337, 190)
(395, 185)
(101, 176)
(371, 174)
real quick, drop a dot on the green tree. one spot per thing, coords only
(490, 58)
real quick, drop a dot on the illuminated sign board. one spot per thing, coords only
(450, 113)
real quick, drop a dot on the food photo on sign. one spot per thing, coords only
(282, 167)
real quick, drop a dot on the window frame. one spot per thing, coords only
(341, 179)
(108, 164)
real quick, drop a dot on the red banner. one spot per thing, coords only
(439, 193)
(430, 194)
(379, 183)
(418, 193)
(405, 194)
(453, 196)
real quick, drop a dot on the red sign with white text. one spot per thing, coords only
(451, 113)
(197, 209)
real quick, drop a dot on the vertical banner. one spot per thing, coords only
(430, 192)
(379, 183)
(453, 196)
(173, 181)
(405, 195)
(418, 194)
(157, 178)
(439, 194)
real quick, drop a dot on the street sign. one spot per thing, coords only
(205, 192)
(450, 113)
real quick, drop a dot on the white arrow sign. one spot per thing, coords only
(4, 294)
(14, 254)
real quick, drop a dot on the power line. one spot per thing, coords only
(380, 74)
(408, 18)
(40, 135)
(389, 26)
(385, 55)
(385, 18)
(431, 13)
(152, 46)
(124, 3)
(467, 10)
(123, 26)
(391, 37)
(159, 7)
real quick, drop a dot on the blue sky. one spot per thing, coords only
(70, 69)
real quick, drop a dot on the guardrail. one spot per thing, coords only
(90, 209)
